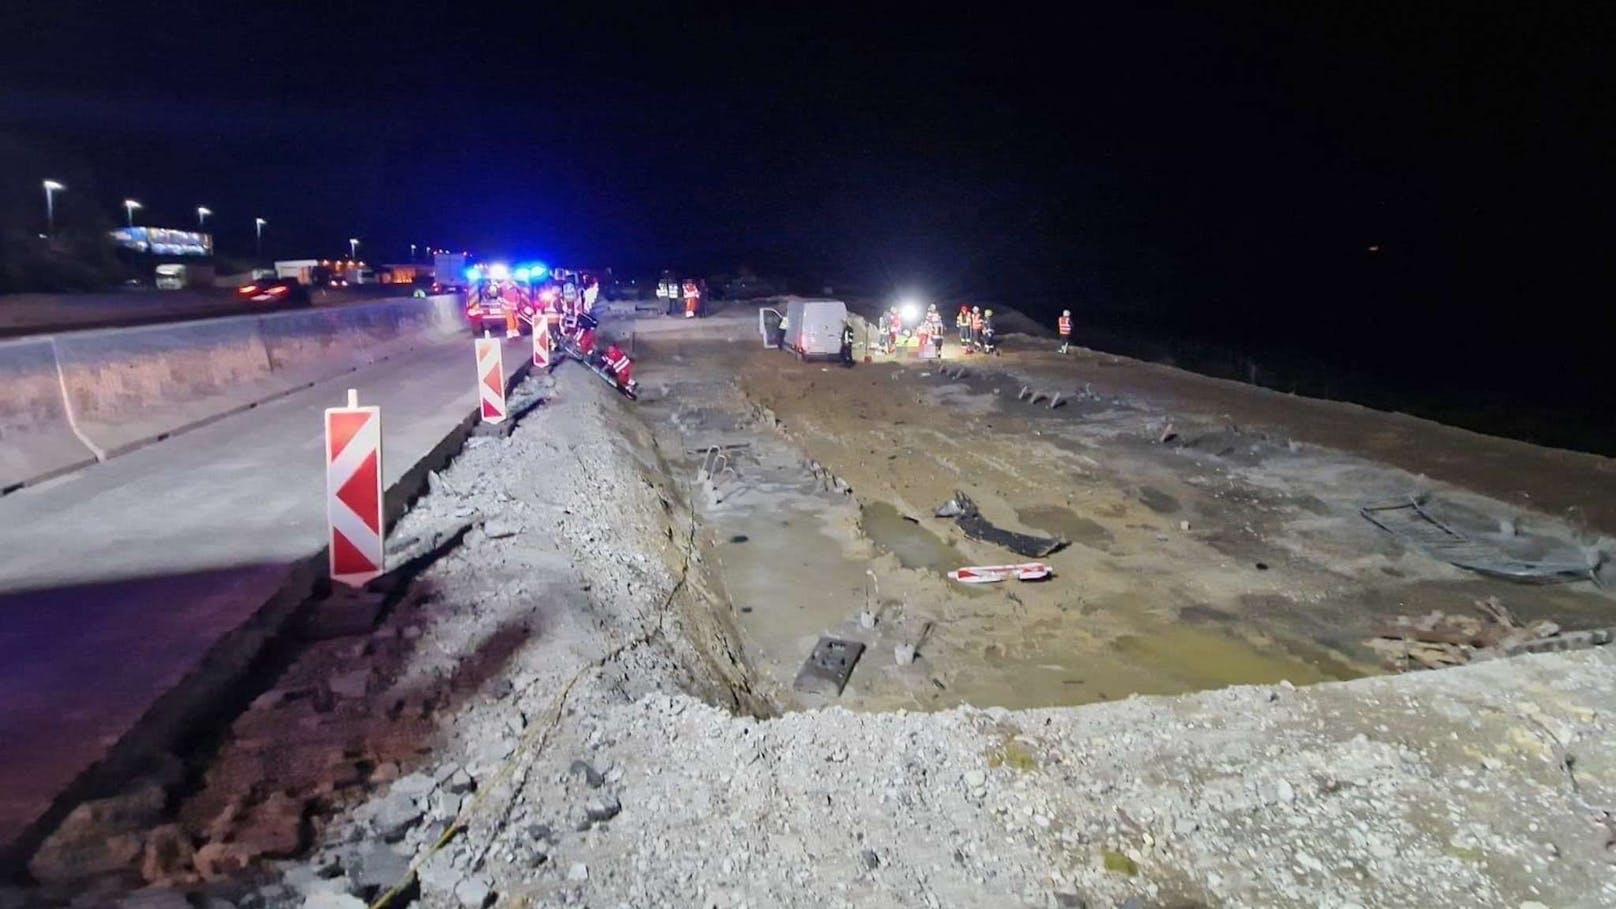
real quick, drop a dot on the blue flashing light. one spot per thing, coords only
(474, 273)
(520, 274)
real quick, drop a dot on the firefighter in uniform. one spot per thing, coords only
(620, 366)
(989, 344)
(1065, 326)
(552, 320)
(894, 329)
(974, 344)
(962, 321)
(692, 298)
(847, 343)
(591, 293)
(934, 327)
(495, 291)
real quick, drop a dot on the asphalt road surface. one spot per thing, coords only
(29, 314)
(117, 579)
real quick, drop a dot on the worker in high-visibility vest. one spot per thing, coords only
(692, 298)
(510, 296)
(962, 321)
(1065, 326)
(975, 342)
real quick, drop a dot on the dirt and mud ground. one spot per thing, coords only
(1228, 554)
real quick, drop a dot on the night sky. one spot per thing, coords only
(1208, 170)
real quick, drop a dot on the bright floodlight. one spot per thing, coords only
(910, 310)
(131, 203)
(202, 211)
(499, 271)
(53, 186)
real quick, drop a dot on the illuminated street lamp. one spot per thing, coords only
(51, 186)
(129, 206)
(259, 223)
(202, 213)
(353, 247)
(412, 252)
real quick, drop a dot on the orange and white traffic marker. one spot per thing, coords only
(491, 379)
(541, 347)
(353, 491)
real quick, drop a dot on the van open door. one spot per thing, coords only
(769, 327)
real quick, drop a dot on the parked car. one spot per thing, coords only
(283, 291)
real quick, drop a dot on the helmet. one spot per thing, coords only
(976, 309)
(988, 313)
(932, 308)
(1067, 313)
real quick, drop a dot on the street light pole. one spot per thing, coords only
(412, 252)
(129, 206)
(202, 213)
(51, 186)
(353, 247)
(259, 224)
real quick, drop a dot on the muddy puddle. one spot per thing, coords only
(1066, 524)
(913, 545)
(1150, 658)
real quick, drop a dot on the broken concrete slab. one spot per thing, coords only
(374, 867)
(827, 669)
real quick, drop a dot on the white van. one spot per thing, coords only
(814, 327)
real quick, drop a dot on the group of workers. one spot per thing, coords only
(564, 309)
(974, 324)
(691, 291)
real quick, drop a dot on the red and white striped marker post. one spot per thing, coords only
(353, 491)
(491, 379)
(541, 346)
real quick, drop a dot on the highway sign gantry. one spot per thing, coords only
(353, 492)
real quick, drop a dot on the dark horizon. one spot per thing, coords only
(1373, 184)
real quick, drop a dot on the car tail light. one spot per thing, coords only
(250, 288)
(277, 291)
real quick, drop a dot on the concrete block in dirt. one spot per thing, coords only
(827, 669)
(395, 816)
(374, 867)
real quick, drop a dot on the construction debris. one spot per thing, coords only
(1438, 639)
(1411, 523)
(964, 513)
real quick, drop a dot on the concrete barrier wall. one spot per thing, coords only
(69, 399)
(36, 435)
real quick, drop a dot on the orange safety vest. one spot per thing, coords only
(1065, 325)
(963, 320)
(976, 321)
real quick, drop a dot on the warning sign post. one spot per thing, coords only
(541, 347)
(353, 491)
(491, 379)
